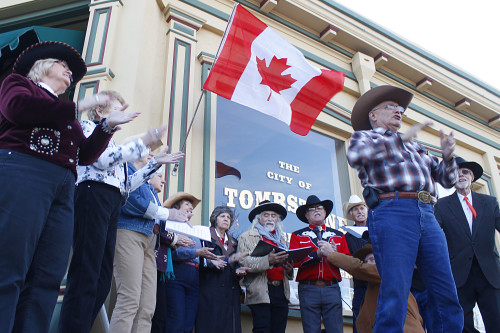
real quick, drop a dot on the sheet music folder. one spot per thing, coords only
(197, 231)
(295, 255)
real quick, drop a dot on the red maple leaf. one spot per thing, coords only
(271, 75)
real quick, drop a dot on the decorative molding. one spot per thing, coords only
(328, 34)
(495, 121)
(205, 58)
(98, 36)
(463, 105)
(267, 5)
(424, 84)
(99, 73)
(381, 59)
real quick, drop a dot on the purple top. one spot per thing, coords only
(35, 122)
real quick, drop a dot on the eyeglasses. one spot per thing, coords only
(464, 171)
(312, 209)
(391, 106)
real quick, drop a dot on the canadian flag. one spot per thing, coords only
(258, 68)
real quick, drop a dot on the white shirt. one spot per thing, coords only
(465, 207)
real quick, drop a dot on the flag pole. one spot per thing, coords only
(176, 166)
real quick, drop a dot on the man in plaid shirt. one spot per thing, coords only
(398, 175)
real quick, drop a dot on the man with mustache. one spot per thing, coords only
(399, 176)
(469, 220)
(319, 291)
(267, 288)
(355, 209)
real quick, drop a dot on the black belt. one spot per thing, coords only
(423, 196)
(318, 283)
(275, 283)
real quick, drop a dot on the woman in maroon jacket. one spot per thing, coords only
(41, 143)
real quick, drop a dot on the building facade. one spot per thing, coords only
(157, 54)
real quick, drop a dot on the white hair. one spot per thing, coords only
(279, 224)
(40, 68)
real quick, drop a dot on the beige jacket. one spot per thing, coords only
(256, 278)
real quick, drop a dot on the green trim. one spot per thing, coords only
(96, 71)
(208, 9)
(205, 54)
(105, 1)
(181, 34)
(337, 116)
(93, 35)
(83, 90)
(111, 74)
(490, 185)
(410, 46)
(176, 12)
(46, 16)
(207, 123)
(184, 105)
(183, 28)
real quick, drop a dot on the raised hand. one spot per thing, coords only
(412, 132)
(165, 158)
(219, 264)
(447, 145)
(90, 102)
(119, 117)
(152, 138)
(242, 270)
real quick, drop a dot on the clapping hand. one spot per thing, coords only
(165, 158)
(119, 117)
(412, 132)
(219, 263)
(184, 240)
(447, 145)
(205, 253)
(240, 271)
(152, 138)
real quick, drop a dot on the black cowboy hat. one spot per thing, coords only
(372, 98)
(56, 50)
(267, 205)
(476, 169)
(313, 200)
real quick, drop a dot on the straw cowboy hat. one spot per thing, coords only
(354, 201)
(181, 196)
(267, 205)
(476, 169)
(55, 50)
(372, 98)
(311, 201)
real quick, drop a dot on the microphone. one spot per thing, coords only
(318, 231)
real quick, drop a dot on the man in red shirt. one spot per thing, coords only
(319, 291)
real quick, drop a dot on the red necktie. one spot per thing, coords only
(223, 242)
(471, 208)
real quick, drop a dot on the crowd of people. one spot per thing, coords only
(67, 184)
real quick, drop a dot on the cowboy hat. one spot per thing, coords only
(354, 201)
(55, 50)
(181, 196)
(372, 98)
(363, 252)
(267, 205)
(476, 169)
(311, 201)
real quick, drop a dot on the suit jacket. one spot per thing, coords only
(462, 245)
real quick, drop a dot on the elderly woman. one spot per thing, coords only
(181, 293)
(219, 301)
(41, 142)
(101, 190)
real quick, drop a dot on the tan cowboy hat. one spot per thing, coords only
(372, 98)
(181, 196)
(363, 252)
(354, 201)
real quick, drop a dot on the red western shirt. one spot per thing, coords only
(275, 273)
(313, 267)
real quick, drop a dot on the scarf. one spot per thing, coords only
(275, 237)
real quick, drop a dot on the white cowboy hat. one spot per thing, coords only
(354, 201)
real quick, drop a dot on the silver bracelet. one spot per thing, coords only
(96, 98)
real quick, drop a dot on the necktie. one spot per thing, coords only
(224, 242)
(317, 230)
(471, 208)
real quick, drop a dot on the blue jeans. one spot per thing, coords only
(321, 302)
(404, 232)
(36, 225)
(182, 299)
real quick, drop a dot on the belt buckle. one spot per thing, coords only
(321, 283)
(275, 283)
(424, 196)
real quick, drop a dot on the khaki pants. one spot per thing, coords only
(134, 270)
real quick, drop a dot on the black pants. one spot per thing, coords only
(477, 289)
(97, 207)
(271, 318)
